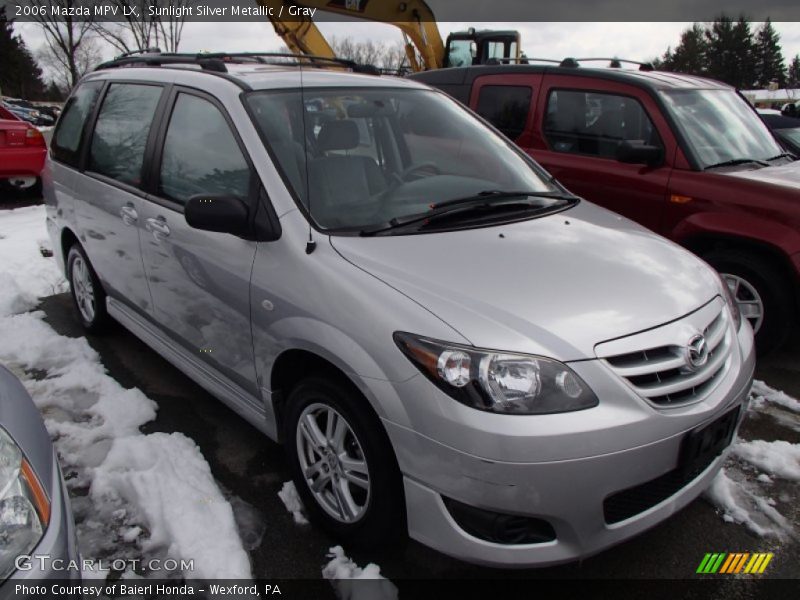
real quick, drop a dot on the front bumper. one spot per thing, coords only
(568, 492)
(58, 546)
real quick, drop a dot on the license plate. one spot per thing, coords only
(702, 446)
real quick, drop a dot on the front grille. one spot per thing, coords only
(662, 374)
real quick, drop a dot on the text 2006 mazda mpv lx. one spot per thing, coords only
(445, 340)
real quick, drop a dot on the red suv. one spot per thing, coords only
(685, 156)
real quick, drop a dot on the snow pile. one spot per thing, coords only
(291, 500)
(778, 458)
(131, 490)
(351, 582)
(741, 502)
(761, 394)
(738, 491)
(24, 274)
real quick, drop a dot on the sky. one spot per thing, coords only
(633, 41)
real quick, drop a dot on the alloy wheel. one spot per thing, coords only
(333, 463)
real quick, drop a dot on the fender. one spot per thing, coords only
(327, 342)
(753, 228)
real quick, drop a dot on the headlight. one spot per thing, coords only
(497, 381)
(731, 302)
(24, 506)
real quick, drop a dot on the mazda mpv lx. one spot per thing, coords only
(446, 341)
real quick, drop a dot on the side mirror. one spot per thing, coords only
(638, 153)
(224, 214)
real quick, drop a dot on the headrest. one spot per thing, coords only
(337, 135)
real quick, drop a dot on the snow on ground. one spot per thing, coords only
(351, 582)
(779, 458)
(742, 490)
(292, 502)
(762, 393)
(135, 496)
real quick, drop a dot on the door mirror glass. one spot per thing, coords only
(637, 152)
(224, 214)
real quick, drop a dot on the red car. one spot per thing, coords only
(685, 156)
(22, 153)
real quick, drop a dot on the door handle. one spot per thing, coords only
(129, 215)
(158, 227)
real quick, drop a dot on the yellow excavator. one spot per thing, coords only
(423, 43)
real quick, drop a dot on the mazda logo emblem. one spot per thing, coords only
(696, 352)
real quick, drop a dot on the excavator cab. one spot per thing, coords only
(484, 47)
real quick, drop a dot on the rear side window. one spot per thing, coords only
(200, 154)
(594, 124)
(67, 137)
(506, 107)
(120, 134)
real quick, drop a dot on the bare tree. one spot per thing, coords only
(86, 56)
(64, 36)
(157, 23)
(384, 55)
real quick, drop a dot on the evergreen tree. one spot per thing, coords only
(730, 56)
(793, 73)
(690, 54)
(769, 58)
(20, 76)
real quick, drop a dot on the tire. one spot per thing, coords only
(382, 508)
(88, 296)
(758, 281)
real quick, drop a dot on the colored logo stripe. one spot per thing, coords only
(723, 562)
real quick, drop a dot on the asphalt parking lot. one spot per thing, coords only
(252, 469)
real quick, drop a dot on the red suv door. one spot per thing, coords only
(579, 124)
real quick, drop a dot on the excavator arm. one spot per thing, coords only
(413, 17)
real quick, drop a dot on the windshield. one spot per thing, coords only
(791, 136)
(359, 158)
(720, 126)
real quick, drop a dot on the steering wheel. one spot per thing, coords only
(403, 177)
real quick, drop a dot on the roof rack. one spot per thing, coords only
(615, 63)
(571, 63)
(216, 61)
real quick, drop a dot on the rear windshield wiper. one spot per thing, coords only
(480, 201)
(737, 161)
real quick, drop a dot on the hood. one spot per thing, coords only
(787, 175)
(556, 285)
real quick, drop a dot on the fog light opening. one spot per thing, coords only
(499, 528)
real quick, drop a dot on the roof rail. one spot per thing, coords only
(216, 61)
(153, 50)
(616, 63)
(523, 60)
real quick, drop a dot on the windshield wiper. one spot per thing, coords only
(480, 201)
(737, 161)
(783, 155)
(499, 195)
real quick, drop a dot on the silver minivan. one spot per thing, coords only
(445, 340)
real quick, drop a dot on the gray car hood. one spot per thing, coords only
(556, 285)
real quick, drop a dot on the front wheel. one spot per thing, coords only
(342, 464)
(761, 292)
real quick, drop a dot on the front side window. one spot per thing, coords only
(67, 138)
(200, 154)
(120, 134)
(506, 107)
(595, 124)
(720, 127)
(361, 157)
